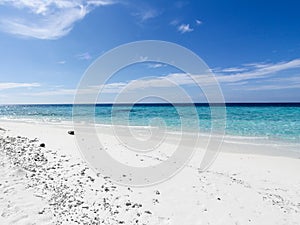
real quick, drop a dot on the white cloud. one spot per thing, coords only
(257, 70)
(91, 90)
(146, 14)
(174, 22)
(4, 86)
(61, 62)
(294, 79)
(149, 14)
(50, 19)
(111, 88)
(236, 80)
(273, 87)
(61, 92)
(229, 70)
(237, 76)
(156, 65)
(177, 79)
(84, 56)
(257, 65)
(198, 22)
(184, 28)
(273, 83)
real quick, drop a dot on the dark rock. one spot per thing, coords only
(92, 179)
(71, 132)
(42, 145)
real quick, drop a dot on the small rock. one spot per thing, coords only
(71, 132)
(42, 145)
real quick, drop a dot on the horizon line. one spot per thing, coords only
(151, 103)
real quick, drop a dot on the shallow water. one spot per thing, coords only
(259, 121)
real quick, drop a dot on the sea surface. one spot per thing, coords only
(270, 121)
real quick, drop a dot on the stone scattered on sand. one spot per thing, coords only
(42, 145)
(68, 186)
(71, 132)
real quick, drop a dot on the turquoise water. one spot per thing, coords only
(279, 121)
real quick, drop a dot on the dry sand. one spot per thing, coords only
(53, 184)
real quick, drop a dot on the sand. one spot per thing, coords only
(52, 184)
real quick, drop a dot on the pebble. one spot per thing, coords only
(50, 174)
(71, 132)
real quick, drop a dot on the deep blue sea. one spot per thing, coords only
(266, 120)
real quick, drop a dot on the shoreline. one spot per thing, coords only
(258, 144)
(236, 189)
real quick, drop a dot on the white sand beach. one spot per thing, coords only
(52, 184)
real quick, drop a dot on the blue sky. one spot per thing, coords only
(253, 47)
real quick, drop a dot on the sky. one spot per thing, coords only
(252, 47)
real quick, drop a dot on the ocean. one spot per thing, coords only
(268, 121)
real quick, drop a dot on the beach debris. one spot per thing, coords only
(71, 132)
(70, 188)
(42, 145)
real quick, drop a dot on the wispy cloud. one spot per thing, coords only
(84, 56)
(237, 76)
(175, 22)
(198, 22)
(250, 77)
(4, 86)
(61, 62)
(255, 71)
(295, 79)
(185, 28)
(55, 92)
(50, 19)
(146, 14)
(91, 90)
(149, 14)
(229, 70)
(156, 65)
(272, 87)
(274, 83)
